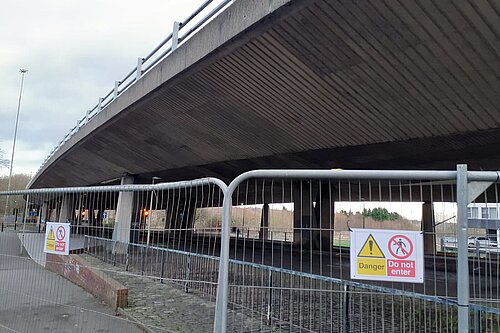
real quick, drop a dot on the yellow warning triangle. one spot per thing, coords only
(371, 249)
(51, 234)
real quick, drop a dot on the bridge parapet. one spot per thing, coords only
(181, 32)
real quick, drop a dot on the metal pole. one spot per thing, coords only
(23, 72)
(463, 251)
(220, 323)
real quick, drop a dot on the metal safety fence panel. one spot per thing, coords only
(133, 249)
(483, 251)
(284, 240)
(286, 262)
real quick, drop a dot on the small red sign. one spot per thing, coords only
(400, 246)
(60, 246)
(401, 268)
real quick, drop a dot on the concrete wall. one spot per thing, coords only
(78, 271)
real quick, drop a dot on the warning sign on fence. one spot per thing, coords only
(387, 255)
(57, 238)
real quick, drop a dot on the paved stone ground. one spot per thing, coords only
(165, 307)
(161, 307)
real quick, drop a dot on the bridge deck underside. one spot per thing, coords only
(316, 84)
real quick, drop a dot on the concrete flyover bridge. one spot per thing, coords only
(303, 84)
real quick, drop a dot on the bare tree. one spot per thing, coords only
(18, 182)
(4, 163)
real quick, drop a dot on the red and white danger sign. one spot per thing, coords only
(387, 255)
(57, 238)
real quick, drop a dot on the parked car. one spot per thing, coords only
(482, 241)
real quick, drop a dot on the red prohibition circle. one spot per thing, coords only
(400, 241)
(62, 231)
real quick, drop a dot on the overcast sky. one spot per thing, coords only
(74, 51)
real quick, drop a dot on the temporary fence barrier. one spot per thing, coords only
(273, 250)
(304, 283)
(133, 243)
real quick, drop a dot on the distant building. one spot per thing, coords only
(483, 211)
(485, 216)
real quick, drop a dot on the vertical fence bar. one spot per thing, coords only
(477, 320)
(462, 244)
(345, 310)
(143, 254)
(269, 297)
(127, 258)
(162, 268)
(186, 276)
(114, 253)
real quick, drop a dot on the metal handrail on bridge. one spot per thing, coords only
(144, 65)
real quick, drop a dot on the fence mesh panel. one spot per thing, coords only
(289, 256)
(138, 248)
(484, 263)
(151, 253)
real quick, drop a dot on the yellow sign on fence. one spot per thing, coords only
(371, 249)
(50, 242)
(370, 267)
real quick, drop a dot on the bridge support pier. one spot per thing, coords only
(325, 214)
(180, 216)
(42, 214)
(428, 228)
(313, 224)
(264, 223)
(124, 210)
(189, 215)
(66, 212)
(302, 214)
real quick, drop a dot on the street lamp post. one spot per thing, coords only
(23, 72)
